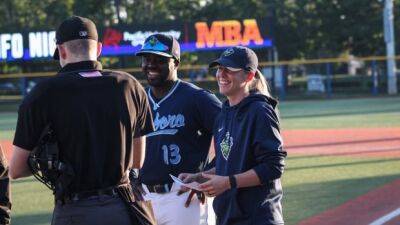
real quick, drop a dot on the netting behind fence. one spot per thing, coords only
(324, 78)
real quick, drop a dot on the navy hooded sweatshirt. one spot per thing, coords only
(247, 137)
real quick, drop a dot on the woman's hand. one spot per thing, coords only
(216, 185)
(189, 177)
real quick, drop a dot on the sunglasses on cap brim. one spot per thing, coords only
(234, 69)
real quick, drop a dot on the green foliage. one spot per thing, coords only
(159, 11)
(314, 29)
(239, 9)
(33, 14)
(300, 28)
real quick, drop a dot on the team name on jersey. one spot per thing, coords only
(167, 124)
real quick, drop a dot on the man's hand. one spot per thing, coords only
(216, 185)
(191, 178)
(200, 195)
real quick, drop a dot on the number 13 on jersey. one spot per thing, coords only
(171, 154)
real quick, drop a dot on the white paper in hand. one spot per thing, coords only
(193, 185)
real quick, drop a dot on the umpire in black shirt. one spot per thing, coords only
(99, 118)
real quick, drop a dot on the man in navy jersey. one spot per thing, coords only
(183, 117)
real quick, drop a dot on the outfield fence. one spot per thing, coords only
(295, 79)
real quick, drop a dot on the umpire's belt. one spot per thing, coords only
(111, 191)
(159, 188)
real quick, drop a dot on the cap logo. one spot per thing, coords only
(228, 52)
(153, 41)
(153, 44)
(83, 33)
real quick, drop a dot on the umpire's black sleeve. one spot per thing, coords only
(267, 146)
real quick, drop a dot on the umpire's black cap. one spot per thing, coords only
(75, 27)
(161, 44)
(238, 58)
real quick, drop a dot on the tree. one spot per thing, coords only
(300, 28)
(33, 14)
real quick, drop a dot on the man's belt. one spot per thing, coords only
(159, 188)
(111, 191)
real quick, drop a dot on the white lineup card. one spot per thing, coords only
(193, 185)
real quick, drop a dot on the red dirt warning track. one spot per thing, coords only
(372, 142)
(364, 209)
(7, 148)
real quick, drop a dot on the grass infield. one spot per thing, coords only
(312, 184)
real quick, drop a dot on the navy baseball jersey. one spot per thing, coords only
(183, 122)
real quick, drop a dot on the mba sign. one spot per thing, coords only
(228, 33)
(14, 46)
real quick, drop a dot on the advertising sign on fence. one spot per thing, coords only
(126, 40)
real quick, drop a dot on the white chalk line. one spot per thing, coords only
(386, 217)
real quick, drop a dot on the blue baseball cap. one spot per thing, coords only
(238, 57)
(161, 44)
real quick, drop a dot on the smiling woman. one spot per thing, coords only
(248, 147)
(230, 81)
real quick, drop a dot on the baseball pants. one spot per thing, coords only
(169, 208)
(101, 210)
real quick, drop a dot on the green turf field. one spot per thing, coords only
(344, 113)
(315, 184)
(311, 184)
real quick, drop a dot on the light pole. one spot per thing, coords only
(117, 4)
(390, 42)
